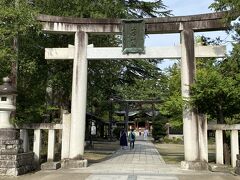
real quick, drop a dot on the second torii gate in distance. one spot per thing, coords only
(195, 126)
(127, 102)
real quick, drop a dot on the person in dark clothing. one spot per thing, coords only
(123, 139)
(132, 138)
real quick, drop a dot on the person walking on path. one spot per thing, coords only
(132, 138)
(123, 139)
(145, 134)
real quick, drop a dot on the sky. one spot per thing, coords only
(183, 8)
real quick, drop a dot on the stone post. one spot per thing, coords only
(219, 146)
(51, 144)
(50, 164)
(37, 147)
(79, 94)
(24, 137)
(66, 123)
(202, 134)
(190, 115)
(234, 147)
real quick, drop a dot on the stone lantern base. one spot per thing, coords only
(237, 169)
(13, 161)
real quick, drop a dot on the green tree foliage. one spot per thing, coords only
(140, 80)
(103, 76)
(216, 91)
(159, 127)
(17, 19)
(172, 105)
(103, 8)
(232, 9)
(227, 5)
(217, 87)
(32, 79)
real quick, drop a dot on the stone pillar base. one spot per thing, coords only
(237, 168)
(237, 171)
(194, 165)
(50, 166)
(16, 164)
(220, 168)
(69, 163)
(13, 161)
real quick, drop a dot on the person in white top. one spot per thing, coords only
(145, 134)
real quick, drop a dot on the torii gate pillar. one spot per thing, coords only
(79, 93)
(194, 126)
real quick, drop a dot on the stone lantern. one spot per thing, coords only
(7, 99)
(12, 159)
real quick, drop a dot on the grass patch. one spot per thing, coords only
(100, 151)
(174, 153)
(171, 153)
(104, 146)
(95, 157)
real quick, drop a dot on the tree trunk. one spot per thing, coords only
(14, 68)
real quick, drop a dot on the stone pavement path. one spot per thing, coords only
(144, 157)
(141, 163)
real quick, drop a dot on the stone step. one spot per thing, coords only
(50, 166)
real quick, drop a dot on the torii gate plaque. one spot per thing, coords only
(133, 36)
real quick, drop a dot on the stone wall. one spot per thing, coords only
(13, 161)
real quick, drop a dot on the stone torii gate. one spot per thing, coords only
(195, 125)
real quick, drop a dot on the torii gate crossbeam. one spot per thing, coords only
(115, 53)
